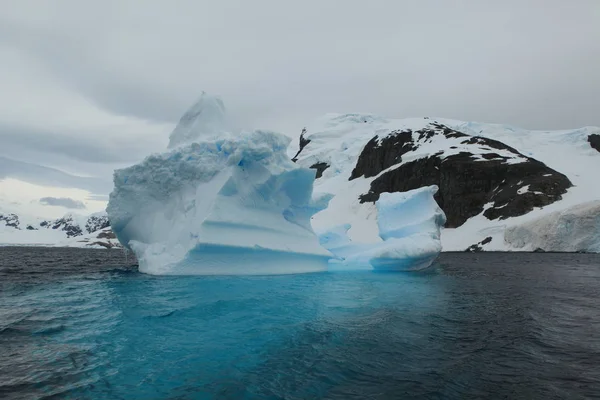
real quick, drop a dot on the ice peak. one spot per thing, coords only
(205, 119)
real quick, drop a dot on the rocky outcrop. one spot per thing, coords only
(478, 247)
(73, 228)
(303, 143)
(96, 222)
(65, 224)
(104, 238)
(378, 155)
(483, 180)
(10, 220)
(320, 167)
(594, 140)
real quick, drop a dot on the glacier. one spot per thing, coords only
(218, 206)
(575, 229)
(409, 226)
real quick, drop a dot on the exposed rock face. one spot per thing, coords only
(320, 167)
(509, 188)
(594, 140)
(303, 143)
(72, 227)
(96, 223)
(379, 155)
(67, 225)
(104, 238)
(10, 220)
(478, 247)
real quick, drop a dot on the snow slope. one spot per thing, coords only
(567, 151)
(491, 177)
(227, 205)
(34, 231)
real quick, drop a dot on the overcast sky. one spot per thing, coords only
(91, 85)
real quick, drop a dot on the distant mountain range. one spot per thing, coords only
(69, 231)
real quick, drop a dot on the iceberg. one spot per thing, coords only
(409, 226)
(205, 119)
(218, 204)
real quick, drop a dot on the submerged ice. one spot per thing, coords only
(219, 204)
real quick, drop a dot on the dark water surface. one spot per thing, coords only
(84, 324)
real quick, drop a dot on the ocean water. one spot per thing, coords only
(84, 324)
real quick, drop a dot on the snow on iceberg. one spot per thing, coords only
(409, 225)
(229, 205)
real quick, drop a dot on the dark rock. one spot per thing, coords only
(379, 155)
(11, 220)
(303, 143)
(478, 247)
(106, 235)
(448, 132)
(31, 228)
(72, 229)
(96, 223)
(491, 143)
(474, 248)
(493, 156)
(466, 186)
(67, 225)
(594, 140)
(539, 250)
(486, 240)
(320, 167)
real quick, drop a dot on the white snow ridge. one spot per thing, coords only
(232, 205)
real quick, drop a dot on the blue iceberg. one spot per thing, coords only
(218, 204)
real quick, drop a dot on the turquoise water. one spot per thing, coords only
(84, 325)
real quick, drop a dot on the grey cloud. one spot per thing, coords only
(98, 197)
(279, 64)
(66, 202)
(41, 175)
(91, 149)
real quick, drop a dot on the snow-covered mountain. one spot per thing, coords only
(71, 230)
(490, 177)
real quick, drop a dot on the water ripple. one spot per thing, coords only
(477, 326)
